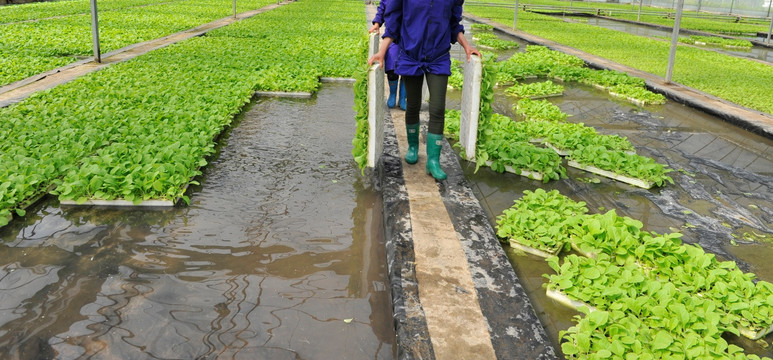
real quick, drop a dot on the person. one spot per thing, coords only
(424, 31)
(389, 62)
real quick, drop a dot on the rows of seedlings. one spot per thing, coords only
(142, 130)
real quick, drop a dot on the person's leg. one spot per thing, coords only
(392, 77)
(413, 86)
(401, 101)
(437, 107)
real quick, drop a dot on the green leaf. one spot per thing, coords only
(662, 340)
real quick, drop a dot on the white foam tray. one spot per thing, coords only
(628, 180)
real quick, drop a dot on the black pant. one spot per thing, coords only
(437, 100)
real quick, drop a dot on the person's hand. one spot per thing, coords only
(377, 57)
(470, 51)
(374, 28)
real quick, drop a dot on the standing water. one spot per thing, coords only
(279, 256)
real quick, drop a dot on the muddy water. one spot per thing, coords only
(756, 52)
(279, 256)
(722, 198)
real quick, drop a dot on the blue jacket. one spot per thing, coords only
(390, 57)
(424, 31)
(380, 13)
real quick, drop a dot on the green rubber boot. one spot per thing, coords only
(434, 145)
(412, 156)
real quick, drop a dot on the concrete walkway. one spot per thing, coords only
(20, 90)
(455, 294)
(752, 120)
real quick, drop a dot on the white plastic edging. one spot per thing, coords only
(622, 178)
(557, 150)
(284, 94)
(164, 203)
(529, 174)
(336, 80)
(754, 335)
(376, 113)
(468, 127)
(586, 254)
(546, 96)
(564, 299)
(530, 250)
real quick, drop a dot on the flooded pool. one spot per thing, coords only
(279, 256)
(722, 198)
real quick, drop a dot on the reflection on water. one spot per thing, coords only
(279, 256)
(723, 186)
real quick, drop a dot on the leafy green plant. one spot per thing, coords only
(489, 40)
(746, 87)
(570, 136)
(456, 80)
(540, 220)
(452, 123)
(539, 110)
(638, 94)
(142, 129)
(716, 41)
(533, 90)
(484, 27)
(623, 163)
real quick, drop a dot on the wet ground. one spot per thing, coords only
(756, 52)
(722, 198)
(279, 256)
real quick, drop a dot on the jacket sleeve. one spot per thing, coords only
(393, 18)
(456, 20)
(380, 13)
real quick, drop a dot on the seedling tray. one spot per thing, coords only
(529, 174)
(564, 299)
(534, 251)
(628, 180)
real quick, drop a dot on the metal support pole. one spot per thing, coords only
(515, 15)
(95, 31)
(638, 17)
(770, 2)
(732, 2)
(770, 29)
(698, 12)
(234, 8)
(674, 41)
(570, 4)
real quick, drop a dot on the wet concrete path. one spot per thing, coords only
(279, 256)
